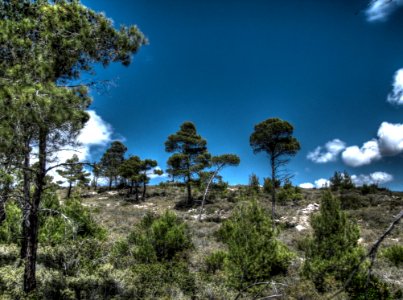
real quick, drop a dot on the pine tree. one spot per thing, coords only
(189, 157)
(111, 161)
(73, 172)
(254, 252)
(332, 252)
(45, 46)
(275, 138)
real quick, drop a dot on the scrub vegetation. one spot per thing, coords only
(104, 233)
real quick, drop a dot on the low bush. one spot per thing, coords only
(254, 253)
(394, 254)
(215, 261)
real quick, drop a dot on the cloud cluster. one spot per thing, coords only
(373, 178)
(358, 180)
(355, 157)
(328, 153)
(379, 10)
(389, 142)
(320, 183)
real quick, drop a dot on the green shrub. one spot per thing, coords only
(394, 254)
(215, 261)
(333, 251)
(68, 221)
(288, 193)
(161, 238)
(353, 201)
(254, 253)
(10, 229)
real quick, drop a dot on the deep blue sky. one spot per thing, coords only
(227, 65)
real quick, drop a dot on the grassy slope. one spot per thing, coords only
(118, 215)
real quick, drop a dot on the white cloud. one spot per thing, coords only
(390, 139)
(332, 151)
(396, 96)
(322, 183)
(96, 132)
(355, 157)
(379, 10)
(306, 185)
(373, 178)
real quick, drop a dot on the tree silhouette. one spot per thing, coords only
(274, 137)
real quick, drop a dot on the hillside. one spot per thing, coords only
(100, 264)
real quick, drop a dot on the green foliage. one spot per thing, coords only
(394, 254)
(254, 253)
(333, 251)
(70, 220)
(161, 280)
(10, 229)
(215, 261)
(73, 172)
(289, 193)
(254, 184)
(351, 200)
(341, 181)
(369, 189)
(162, 238)
(111, 161)
(189, 157)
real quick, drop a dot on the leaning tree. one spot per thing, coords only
(189, 157)
(275, 138)
(45, 48)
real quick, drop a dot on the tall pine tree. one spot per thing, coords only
(189, 157)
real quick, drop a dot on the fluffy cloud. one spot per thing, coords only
(355, 157)
(306, 185)
(96, 132)
(390, 139)
(373, 178)
(320, 183)
(332, 151)
(396, 96)
(379, 10)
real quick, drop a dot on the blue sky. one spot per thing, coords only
(327, 67)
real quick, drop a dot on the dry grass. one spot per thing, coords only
(118, 215)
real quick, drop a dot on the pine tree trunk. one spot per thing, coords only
(27, 198)
(110, 183)
(69, 190)
(144, 191)
(189, 191)
(32, 220)
(136, 190)
(273, 193)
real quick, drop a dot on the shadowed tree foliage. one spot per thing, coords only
(189, 157)
(45, 45)
(131, 170)
(111, 161)
(275, 138)
(73, 172)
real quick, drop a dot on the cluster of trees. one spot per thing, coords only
(46, 46)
